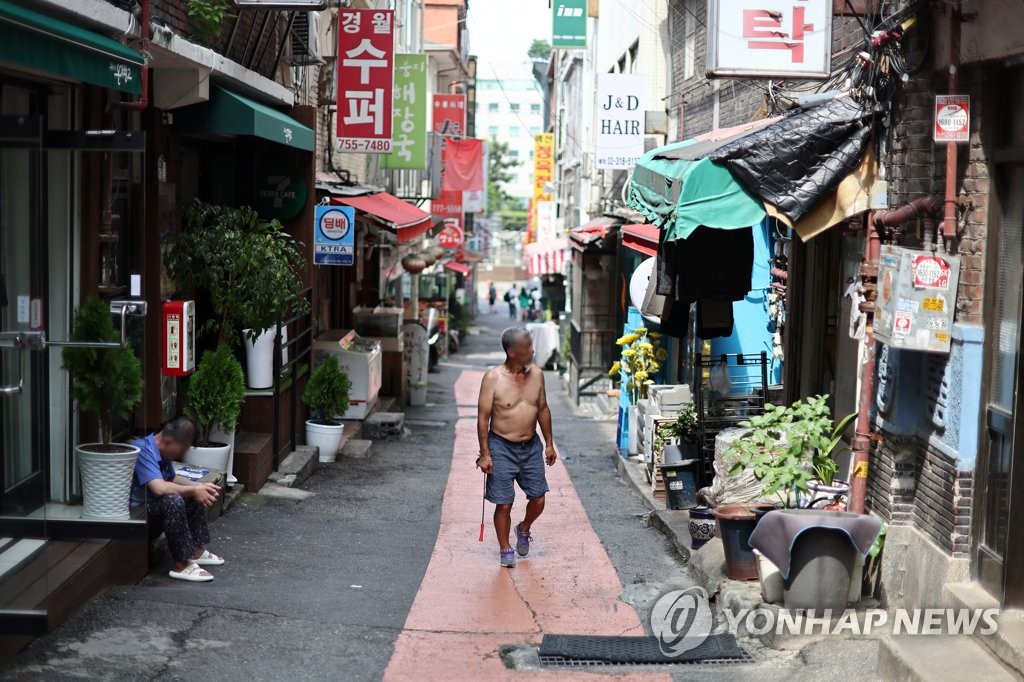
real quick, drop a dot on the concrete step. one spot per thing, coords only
(357, 448)
(384, 426)
(1007, 643)
(926, 658)
(297, 467)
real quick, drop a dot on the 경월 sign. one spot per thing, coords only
(366, 54)
(334, 235)
(770, 38)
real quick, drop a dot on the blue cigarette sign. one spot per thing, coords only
(334, 236)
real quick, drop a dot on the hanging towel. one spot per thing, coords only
(714, 319)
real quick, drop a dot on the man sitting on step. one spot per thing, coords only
(175, 504)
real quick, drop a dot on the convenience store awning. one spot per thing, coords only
(228, 113)
(407, 221)
(40, 43)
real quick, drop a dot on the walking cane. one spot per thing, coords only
(483, 506)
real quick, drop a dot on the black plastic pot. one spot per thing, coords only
(680, 484)
(736, 522)
(821, 567)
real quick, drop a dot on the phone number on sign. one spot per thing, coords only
(359, 144)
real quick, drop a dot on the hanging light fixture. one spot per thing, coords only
(414, 263)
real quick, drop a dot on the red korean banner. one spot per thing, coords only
(449, 115)
(366, 74)
(448, 207)
(463, 165)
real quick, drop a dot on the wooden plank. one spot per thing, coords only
(37, 594)
(28, 574)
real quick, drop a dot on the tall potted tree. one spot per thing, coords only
(107, 384)
(250, 269)
(326, 396)
(214, 400)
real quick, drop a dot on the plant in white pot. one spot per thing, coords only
(417, 393)
(326, 396)
(250, 269)
(105, 383)
(214, 401)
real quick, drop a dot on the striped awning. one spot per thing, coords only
(547, 257)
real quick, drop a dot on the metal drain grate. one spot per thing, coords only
(573, 651)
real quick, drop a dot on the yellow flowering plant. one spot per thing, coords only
(641, 359)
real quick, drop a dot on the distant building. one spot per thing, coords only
(510, 108)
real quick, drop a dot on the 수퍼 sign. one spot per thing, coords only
(366, 53)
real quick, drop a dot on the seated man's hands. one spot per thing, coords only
(206, 494)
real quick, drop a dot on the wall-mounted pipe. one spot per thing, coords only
(949, 221)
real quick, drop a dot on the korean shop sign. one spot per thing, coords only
(366, 53)
(569, 24)
(620, 120)
(449, 115)
(770, 38)
(543, 173)
(334, 235)
(409, 147)
(952, 118)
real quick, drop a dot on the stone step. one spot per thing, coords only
(1007, 643)
(925, 658)
(357, 448)
(384, 426)
(297, 467)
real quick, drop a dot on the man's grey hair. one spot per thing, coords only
(180, 430)
(511, 336)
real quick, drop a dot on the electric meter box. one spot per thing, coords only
(179, 338)
(916, 299)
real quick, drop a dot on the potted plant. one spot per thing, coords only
(214, 401)
(418, 393)
(105, 383)
(326, 396)
(686, 432)
(640, 361)
(250, 268)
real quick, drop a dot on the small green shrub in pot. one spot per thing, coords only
(215, 393)
(327, 393)
(685, 428)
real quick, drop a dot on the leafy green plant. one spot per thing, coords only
(215, 393)
(685, 427)
(249, 267)
(105, 382)
(641, 357)
(207, 17)
(327, 392)
(789, 446)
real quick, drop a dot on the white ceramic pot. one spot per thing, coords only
(214, 457)
(327, 437)
(418, 395)
(106, 479)
(259, 360)
(772, 586)
(634, 427)
(857, 581)
(220, 436)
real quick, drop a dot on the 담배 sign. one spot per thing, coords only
(366, 55)
(334, 235)
(621, 119)
(952, 118)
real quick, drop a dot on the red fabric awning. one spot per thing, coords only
(460, 268)
(406, 220)
(643, 238)
(592, 231)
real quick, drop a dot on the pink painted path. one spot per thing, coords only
(468, 606)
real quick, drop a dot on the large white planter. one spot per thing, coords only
(220, 436)
(106, 479)
(215, 457)
(259, 360)
(772, 585)
(417, 396)
(327, 437)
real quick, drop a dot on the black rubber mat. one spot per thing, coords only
(608, 650)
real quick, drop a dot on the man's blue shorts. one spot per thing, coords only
(520, 462)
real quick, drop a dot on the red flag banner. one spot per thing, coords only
(463, 165)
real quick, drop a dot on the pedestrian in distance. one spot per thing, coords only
(513, 403)
(492, 295)
(524, 304)
(512, 297)
(175, 504)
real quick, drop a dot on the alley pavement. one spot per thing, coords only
(379, 574)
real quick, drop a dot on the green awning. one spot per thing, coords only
(681, 194)
(43, 44)
(228, 113)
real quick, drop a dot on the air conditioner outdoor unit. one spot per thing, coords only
(305, 39)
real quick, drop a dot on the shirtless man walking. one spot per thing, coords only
(512, 403)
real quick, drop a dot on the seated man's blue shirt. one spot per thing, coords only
(148, 467)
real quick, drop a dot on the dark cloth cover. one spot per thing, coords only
(777, 531)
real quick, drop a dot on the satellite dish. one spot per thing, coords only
(638, 287)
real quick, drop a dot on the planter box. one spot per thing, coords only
(254, 459)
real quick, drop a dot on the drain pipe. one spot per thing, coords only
(142, 103)
(949, 221)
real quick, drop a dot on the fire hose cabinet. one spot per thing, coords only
(916, 299)
(179, 337)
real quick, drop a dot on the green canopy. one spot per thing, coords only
(40, 43)
(228, 113)
(681, 194)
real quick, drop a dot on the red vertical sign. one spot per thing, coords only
(449, 120)
(450, 115)
(366, 74)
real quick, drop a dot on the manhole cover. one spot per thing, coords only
(588, 650)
